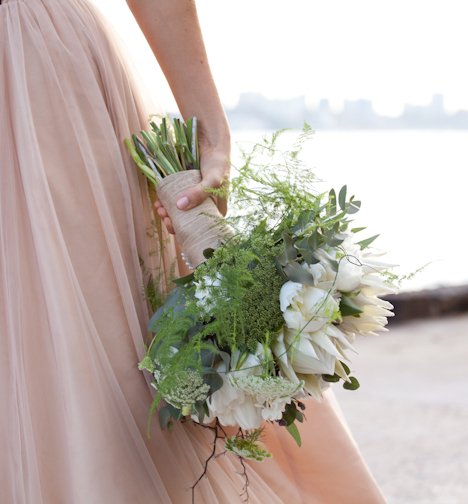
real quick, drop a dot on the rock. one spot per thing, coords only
(429, 303)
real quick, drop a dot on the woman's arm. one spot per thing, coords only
(173, 32)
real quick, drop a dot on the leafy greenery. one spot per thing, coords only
(246, 445)
(170, 147)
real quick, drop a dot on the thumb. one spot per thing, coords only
(192, 197)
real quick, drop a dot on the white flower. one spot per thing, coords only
(286, 355)
(231, 405)
(375, 311)
(305, 307)
(183, 390)
(271, 393)
(204, 291)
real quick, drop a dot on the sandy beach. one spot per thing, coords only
(410, 416)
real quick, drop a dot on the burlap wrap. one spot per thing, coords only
(196, 229)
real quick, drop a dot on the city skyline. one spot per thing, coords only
(255, 111)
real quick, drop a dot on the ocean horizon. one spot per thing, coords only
(412, 184)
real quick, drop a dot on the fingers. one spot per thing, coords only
(168, 224)
(197, 194)
(222, 206)
(164, 217)
(192, 197)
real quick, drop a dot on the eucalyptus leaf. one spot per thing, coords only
(164, 417)
(353, 206)
(307, 255)
(303, 221)
(296, 273)
(214, 380)
(175, 300)
(311, 242)
(290, 252)
(332, 202)
(342, 198)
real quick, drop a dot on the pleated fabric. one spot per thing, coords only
(78, 242)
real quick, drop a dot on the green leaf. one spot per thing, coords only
(289, 253)
(185, 279)
(333, 263)
(152, 410)
(305, 218)
(289, 413)
(353, 206)
(357, 229)
(164, 417)
(365, 243)
(332, 202)
(294, 431)
(208, 253)
(296, 273)
(348, 308)
(342, 198)
(335, 239)
(331, 378)
(175, 300)
(213, 379)
(299, 416)
(311, 242)
(345, 367)
(353, 384)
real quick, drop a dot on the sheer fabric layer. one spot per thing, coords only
(78, 241)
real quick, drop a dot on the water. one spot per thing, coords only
(413, 188)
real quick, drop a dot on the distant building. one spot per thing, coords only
(254, 111)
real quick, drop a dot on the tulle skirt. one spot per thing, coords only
(78, 243)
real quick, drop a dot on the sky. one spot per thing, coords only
(391, 52)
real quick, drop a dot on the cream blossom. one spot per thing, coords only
(312, 384)
(271, 393)
(306, 308)
(230, 404)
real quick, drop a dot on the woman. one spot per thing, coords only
(77, 246)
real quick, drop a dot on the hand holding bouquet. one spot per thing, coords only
(168, 155)
(282, 287)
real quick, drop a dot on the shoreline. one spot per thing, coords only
(428, 303)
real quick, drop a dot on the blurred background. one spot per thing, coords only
(385, 87)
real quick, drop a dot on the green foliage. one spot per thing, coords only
(246, 445)
(170, 147)
(245, 307)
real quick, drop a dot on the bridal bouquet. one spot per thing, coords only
(279, 291)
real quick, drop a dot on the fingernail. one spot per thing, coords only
(183, 203)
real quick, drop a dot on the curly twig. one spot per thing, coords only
(212, 454)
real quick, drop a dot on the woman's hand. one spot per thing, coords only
(215, 170)
(173, 32)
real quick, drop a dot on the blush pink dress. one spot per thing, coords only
(78, 240)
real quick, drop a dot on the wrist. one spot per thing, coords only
(215, 136)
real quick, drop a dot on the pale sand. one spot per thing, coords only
(410, 416)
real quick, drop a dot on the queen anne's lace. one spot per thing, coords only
(271, 393)
(186, 389)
